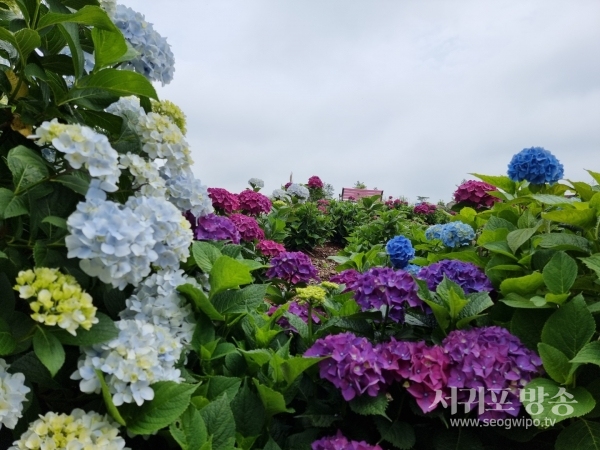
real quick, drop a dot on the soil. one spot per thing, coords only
(318, 255)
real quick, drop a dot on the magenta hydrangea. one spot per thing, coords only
(247, 227)
(270, 248)
(347, 277)
(315, 182)
(322, 205)
(254, 203)
(339, 442)
(223, 200)
(475, 194)
(292, 267)
(287, 185)
(216, 228)
(467, 275)
(385, 287)
(424, 208)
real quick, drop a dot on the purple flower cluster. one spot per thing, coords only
(315, 182)
(394, 204)
(270, 248)
(475, 194)
(300, 310)
(322, 205)
(247, 227)
(223, 200)
(216, 228)
(424, 208)
(467, 275)
(287, 185)
(292, 267)
(383, 286)
(254, 203)
(339, 442)
(347, 277)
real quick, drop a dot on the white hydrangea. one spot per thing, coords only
(12, 396)
(161, 138)
(111, 241)
(172, 232)
(280, 194)
(83, 148)
(298, 190)
(186, 192)
(79, 430)
(147, 180)
(128, 108)
(256, 183)
(141, 355)
(110, 6)
(157, 301)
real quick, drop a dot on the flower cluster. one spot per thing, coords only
(434, 232)
(292, 267)
(146, 176)
(467, 275)
(172, 111)
(83, 147)
(475, 193)
(256, 183)
(247, 227)
(322, 205)
(299, 191)
(154, 60)
(270, 248)
(216, 228)
(425, 208)
(400, 250)
(12, 396)
(311, 294)
(110, 6)
(387, 290)
(457, 234)
(141, 355)
(161, 138)
(280, 194)
(57, 299)
(223, 200)
(315, 182)
(346, 277)
(254, 203)
(536, 165)
(394, 204)
(187, 192)
(339, 442)
(78, 430)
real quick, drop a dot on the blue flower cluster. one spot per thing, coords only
(536, 165)
(453, 234)
(400, 250)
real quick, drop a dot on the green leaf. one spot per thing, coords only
(581, 435)
(220, 423)
(88, 15)
(563, 241)
(570, 327)
(49, 350)
(200, 300)
(240, 301)
(103, 331)
(498, 223)
(593, 262)
(259, 356)
(555, 362)
(500, 247)
(27, 41)
(70, 32)
(11, 205)
(58, 222)
(205, 255)
(273, 401)
(400, 434)
(7, 341)
(109, 47)
(524, 286)
(365, 405)
(248, 412)
(590, 353)
(560, 273)
(189, 430)
(553, 199)
(26, 166)
(228, 273)
(442, 315)
(75, 183)
(294, 367)
(579, 217)
(121, 83)
(108, 401)
(501, 182)
(272, 445)
(218, 385)
(170, 401)
(477, 302)
(517, 238)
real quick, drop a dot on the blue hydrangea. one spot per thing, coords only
(413, 269)
(434, 232)
(457, 234)
(536, 165)
(400, 250)
(155, 60)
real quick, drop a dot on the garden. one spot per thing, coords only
(141, 309)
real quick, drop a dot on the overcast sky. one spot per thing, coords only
(409, 96)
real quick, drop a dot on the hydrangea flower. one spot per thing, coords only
(425, 208)
(172, 111)
(280, 194)
(287, 185)
(346, 277)
(83, 147)
(186, 192)
(12, 396)
(223, 200)
(270, 248)
(254, 203)
(155, 59)
(247, 227)
(216, 228)
(467, 275)
(383, 288)
(110, 6)
(536, 165)
(413, 269)
(161, 138)
(322, 205)
(78, 430)
(146, 176)
(256, 183)
(475, 194)
(400, 250)
(292, 267)
(127, 108)
(457, 234)
(56, 299)
(339, 442)
(141, 355)
(311, 294)
(299, 191)
(434, 232)
(315, 182)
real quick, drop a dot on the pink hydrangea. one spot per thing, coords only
(322, 205)
(247, 227)
(253, 203)
(340, 442)
(270, 248)
(425, 208)
(315, 182)
(223, 200)
(475, 194)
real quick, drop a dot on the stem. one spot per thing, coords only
(310, 323)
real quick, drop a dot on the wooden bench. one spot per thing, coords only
(356, 194)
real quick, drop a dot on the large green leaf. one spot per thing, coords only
(593, 262)
(24, 41)
(11, 205)
(555, 362)
(554, 199)
(400, 434)
(200, 300)
(116, 82)
(239, 301)
(70, 32)
(73, 182)
(563, 241)
(579, 217)
(109, 47)
(560, 273)
(7, 341)
(581, 435)
(293, 367)
(501, 182)
(26, 166)
(49, 350)
(249, 412)
(88, 15)
(273, 401)
(526, 285)
(228, 273)
(220, 423)
(189, 430)
(205, 255)
(517, 238)
(365, 405)
(588, 354)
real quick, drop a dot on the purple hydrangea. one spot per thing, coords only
(467, 275)
(223, 200)
(346, 277)
(315, 182)
(216, 228)
(494, 359)
(425, 208)
(247, 227)
(293, 267)
(254, 203)
(270, 248)
(339, 442)
(536, 165)
(400, 250)
(383, 286)
(475, 194)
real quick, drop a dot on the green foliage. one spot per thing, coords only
(308, 227)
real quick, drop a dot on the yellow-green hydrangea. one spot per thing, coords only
(315, 293)
(278, 203)
(171, 110)
(56, 299)
(329, 285)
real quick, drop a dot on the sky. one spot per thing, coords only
(407, 96)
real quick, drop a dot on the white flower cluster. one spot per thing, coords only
(188, 193)
(110, 6)
(146, 177)
(79, 430)
(256, 183)
(141, 355)
(155, 59)
(299, 191)
(128, 108)
(280, 194)
(12, 396)
(83, 148)
(161, 138)
(157, 301)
